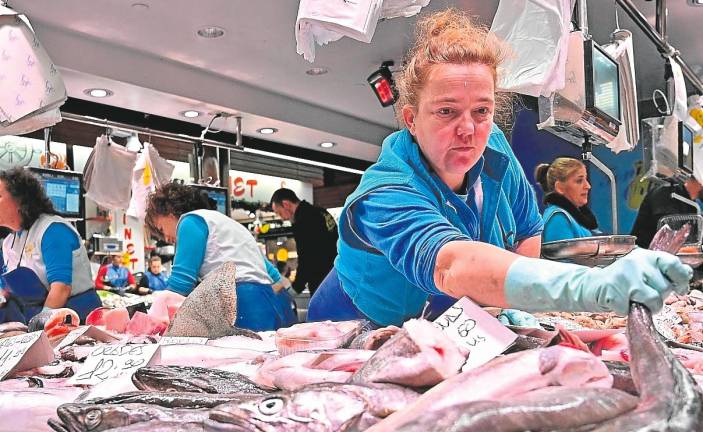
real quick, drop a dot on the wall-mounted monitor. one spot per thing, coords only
(602, 83)
(685, 147)
(64, 189)
(218, 196)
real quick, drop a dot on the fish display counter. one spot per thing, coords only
(181, 365)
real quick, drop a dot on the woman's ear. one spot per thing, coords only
(559, 187)
(409, 118)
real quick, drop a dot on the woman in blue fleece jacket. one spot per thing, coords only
(447, 212)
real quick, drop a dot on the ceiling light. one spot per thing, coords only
(190, 113)
(211, 32)
(140, 6)
(98, 92)
(327, 144)
(317, 71)
(695, 2)
(267, 131)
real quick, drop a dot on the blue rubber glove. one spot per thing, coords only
(642, 276)
(518, 318)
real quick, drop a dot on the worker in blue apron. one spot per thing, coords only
(447, 212)
(45, 265)
(205, 239)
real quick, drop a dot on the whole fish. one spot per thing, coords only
(506, 377)
(317, 407)
(543, 409)
(161, 426)
(669, 397)
(419, 355)
(13, 326)
(95, 418)
(193, 379)
(211, 309)
(169, 399)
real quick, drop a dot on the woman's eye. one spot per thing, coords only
(445, 111)
(483, 111)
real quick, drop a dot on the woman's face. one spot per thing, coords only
(9, 210)
(167, 225)
(453, 118)
(575, 188)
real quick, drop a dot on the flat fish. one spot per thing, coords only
(542, 409)
(193, 379)
(669, 397)
(211, 309)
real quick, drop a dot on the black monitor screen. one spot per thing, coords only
(63, 189)
(602, 81)
(686, 148)
(218, 197)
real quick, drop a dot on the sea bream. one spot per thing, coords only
(193, 379)
(318, 407)
(549, 408)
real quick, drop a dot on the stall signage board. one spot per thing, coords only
(88, 331)
(182, 340)
(476, 330)
(24, 352)
(111, 361)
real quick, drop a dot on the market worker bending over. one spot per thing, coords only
(565, 185)
(46, 265)
(205, 239)
(446, 209)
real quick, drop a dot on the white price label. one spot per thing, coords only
(182, 340)
(88, 331)
(110, 361)
(24, 352)
(475, 329)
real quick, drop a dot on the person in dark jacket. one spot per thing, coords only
(315, 232)
(659, 203)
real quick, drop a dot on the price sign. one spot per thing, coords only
(110, 361)
(24, 352)
(182, 340)
(88, 331)
(475, 329)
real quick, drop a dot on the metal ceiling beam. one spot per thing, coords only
(660, 42)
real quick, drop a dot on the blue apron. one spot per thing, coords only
(331, 302)
(28, 294)
(117, 277)
(259, 308)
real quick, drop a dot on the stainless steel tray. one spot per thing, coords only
(606, 247)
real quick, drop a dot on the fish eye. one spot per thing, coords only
(93, 419)
(271, 406)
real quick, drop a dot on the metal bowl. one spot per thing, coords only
(694, 259)
(607, 248)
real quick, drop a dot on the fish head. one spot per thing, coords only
(170, 379)
(313, 408)
(89, 417)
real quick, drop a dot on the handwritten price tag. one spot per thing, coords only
(24, 352)
(110, 361)
(88, 331)
(473, 328)
(182, 340)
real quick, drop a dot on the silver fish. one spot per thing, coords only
(193, 379)
(95, 418)
(543, 409)
(169, 399)
(669, 397)
(317, 407)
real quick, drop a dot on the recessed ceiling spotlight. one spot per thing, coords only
(327, 144)
(190, 113)
(267, 131)
(140, 6)
(317, 71)
(695, 2)
(98, 92)
(211, 32)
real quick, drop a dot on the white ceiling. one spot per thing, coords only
(155, 63)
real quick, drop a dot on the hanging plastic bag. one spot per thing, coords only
(622, 51)
(537, 32)
(676, 90)
(109, 182)
(150, 172)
